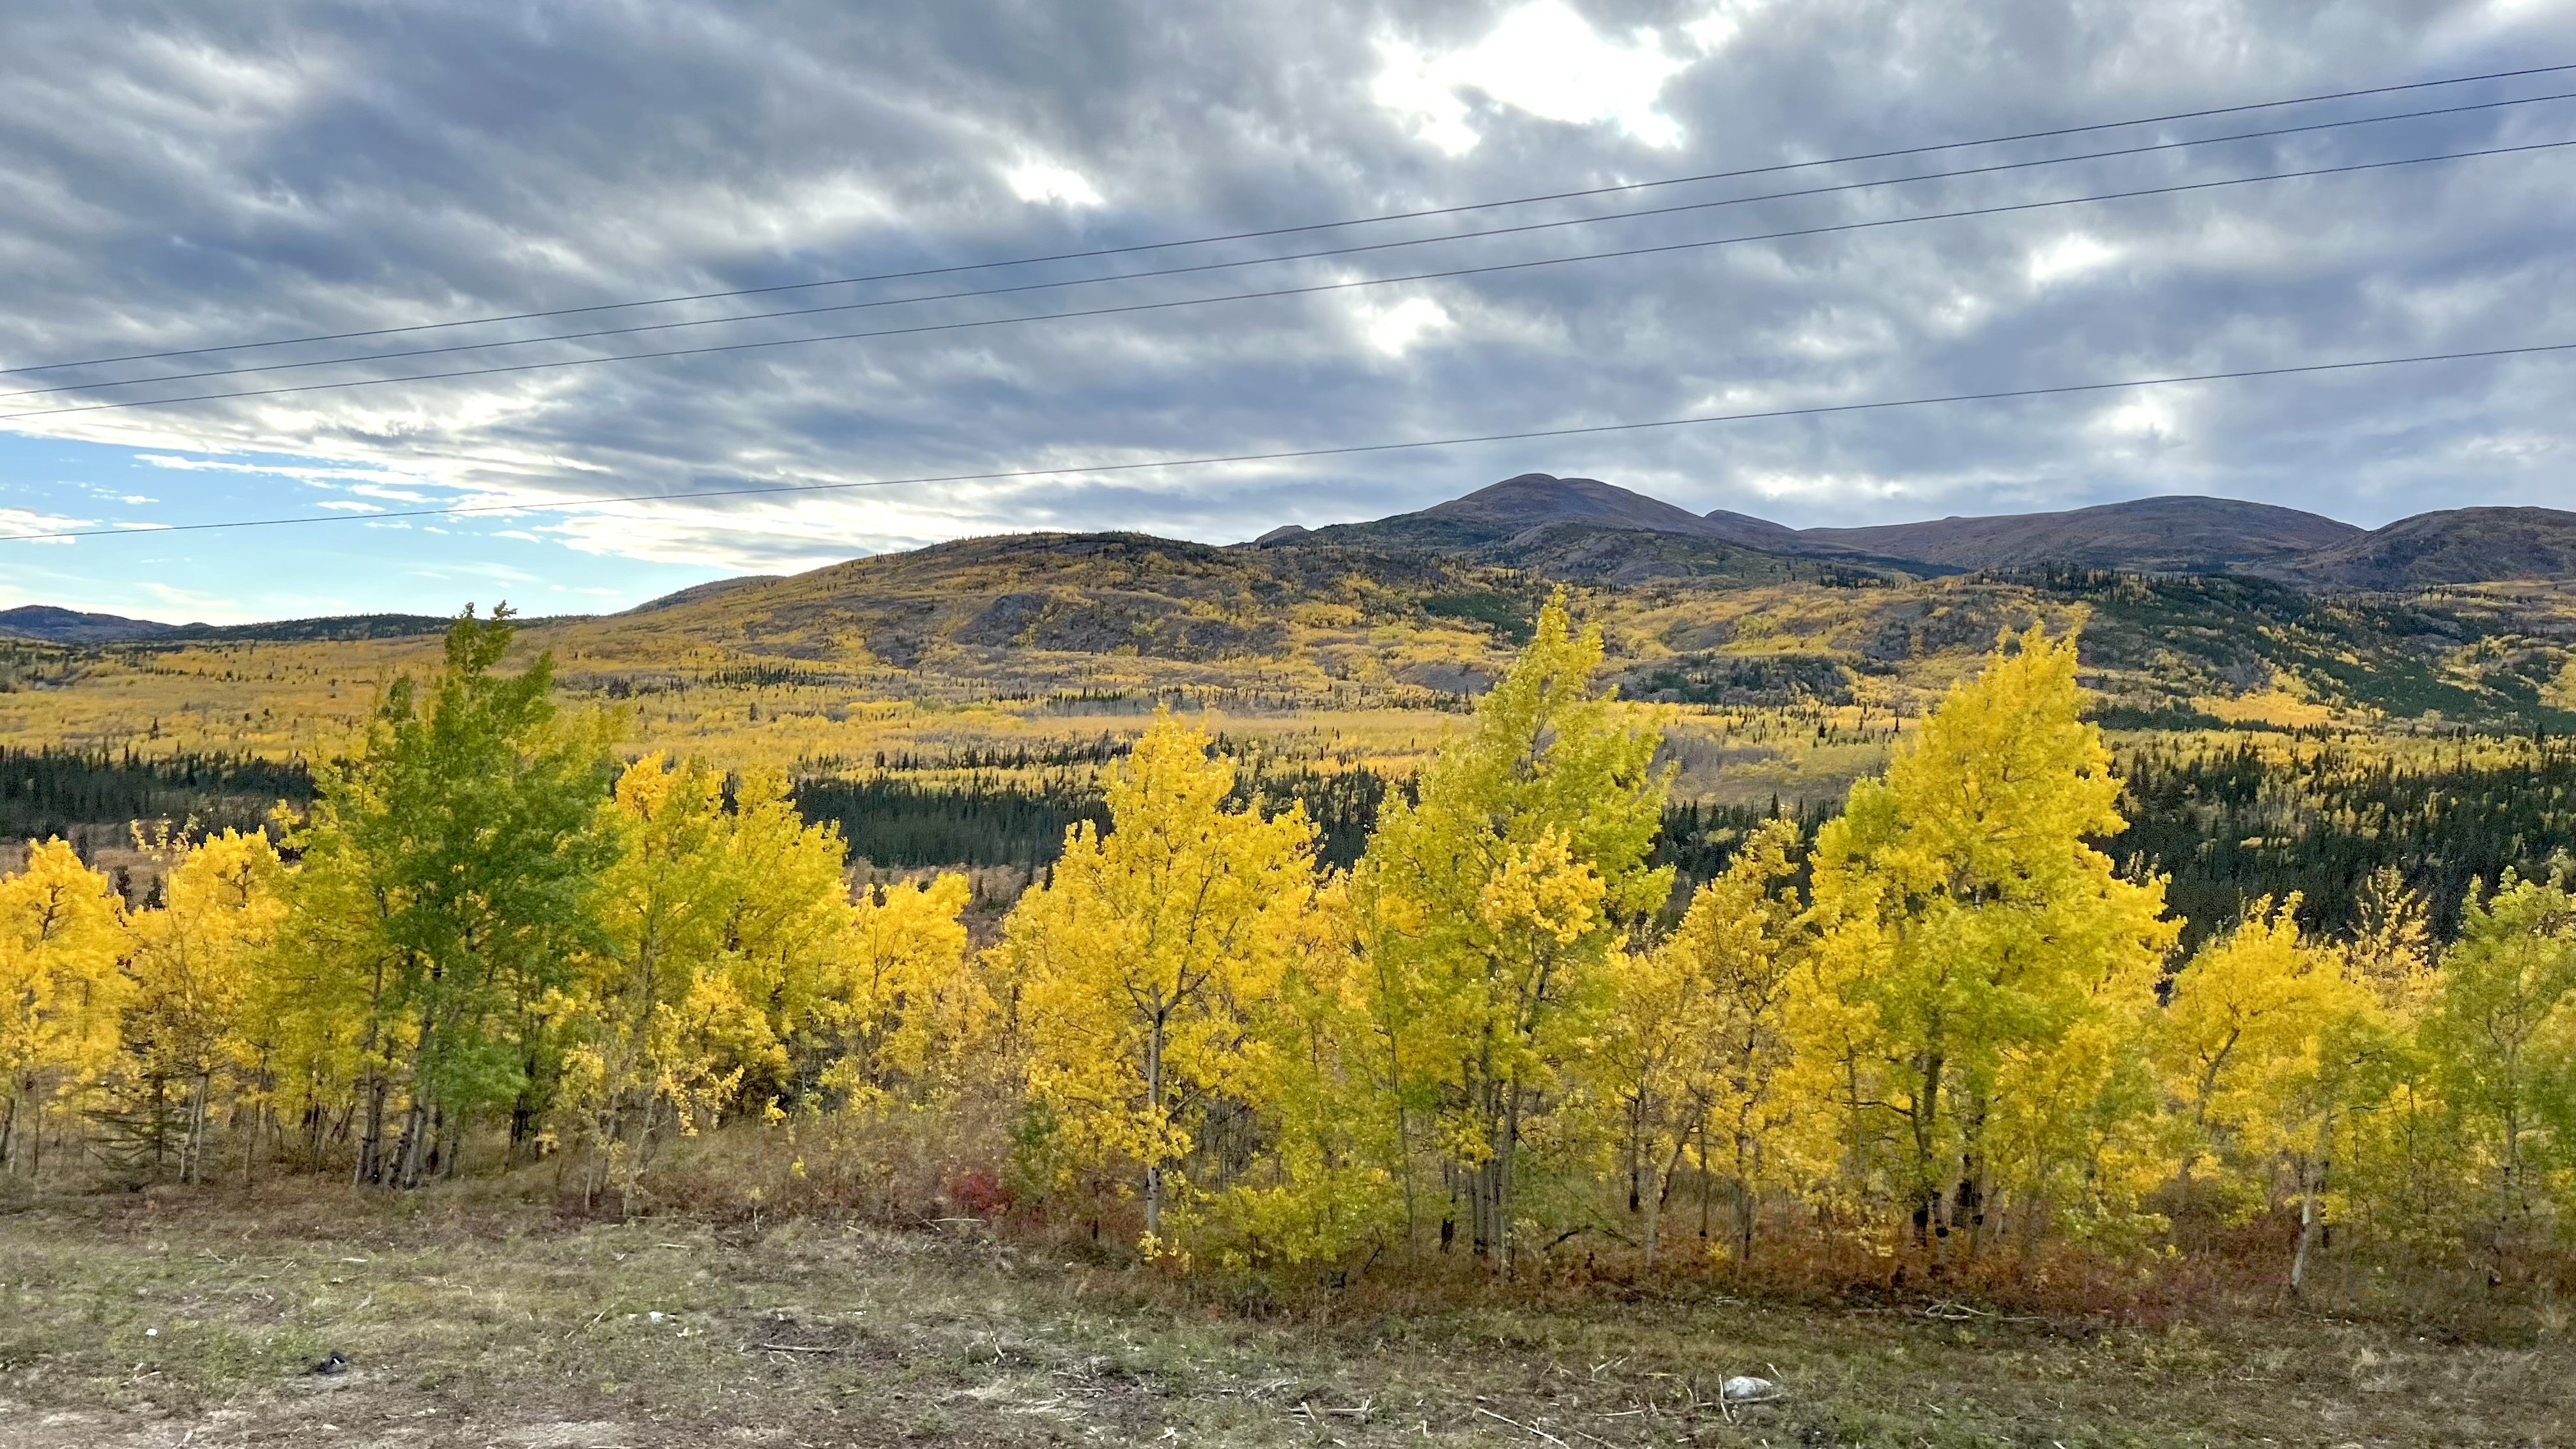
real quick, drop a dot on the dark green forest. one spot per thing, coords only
(55, 791)
(2227, 823)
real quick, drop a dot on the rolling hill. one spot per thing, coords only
(1572, 528)
(70, 626)
(2149, 535)
(2454, 546)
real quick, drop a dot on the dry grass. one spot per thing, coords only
(468, 1318)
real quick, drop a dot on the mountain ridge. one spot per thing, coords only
(2166, 534)
(1584, 530)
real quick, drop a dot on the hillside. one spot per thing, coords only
(2454, 546)
(2149, 535)
(1347, 642)
(1051, 610)
(70, 626)
(1582, 530)
(1499, 511)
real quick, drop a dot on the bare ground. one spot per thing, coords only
(163, 1320)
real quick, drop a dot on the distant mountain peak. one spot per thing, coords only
(1536, 498)
(70, 626)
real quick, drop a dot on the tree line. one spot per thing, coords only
(1942, 1032)
(55, 790)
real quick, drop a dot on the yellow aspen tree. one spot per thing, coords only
(2392, 944)
(2405, 1154)
(63, 938)
(1488, 911)
(720, 929)
(1693, 1047)
(908, 1003)
(195, 960)
(1318, 1188)
(786, 930)
(1140, 966)
(659, 905)
(2268, 1040)
(1967, 928)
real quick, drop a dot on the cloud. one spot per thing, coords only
(1046, 181)
(1395, 329)
(1542, 58)
(198, 606)
(2070, 255)
(20, 523)
(181, 178)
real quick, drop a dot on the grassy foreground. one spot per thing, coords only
(139, 1319)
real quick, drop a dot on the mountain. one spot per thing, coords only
(1587, 531)
(1752, 532)
(1582, 530)
(2453, 546)
(1498, 512)
(64, 626)
(2147, 535)
(998, 603)
(336, 627)
(68, 626)
(708, 590)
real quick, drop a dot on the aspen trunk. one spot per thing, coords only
(2307, 1232)
(1154, 1111)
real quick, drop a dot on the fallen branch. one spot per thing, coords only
(1524, 1428)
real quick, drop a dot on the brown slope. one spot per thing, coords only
(70, 626)
(2453, 546)
(2148, 535)
(1499, 512)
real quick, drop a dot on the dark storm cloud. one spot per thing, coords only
(184, 175)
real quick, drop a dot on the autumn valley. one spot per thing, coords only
(1052, 985)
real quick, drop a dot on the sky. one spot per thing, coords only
(177, 176)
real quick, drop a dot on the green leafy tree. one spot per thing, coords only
(457, 853)
(2503, 1035)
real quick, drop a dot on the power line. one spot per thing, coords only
(1538, 226)
(1347, 450)
(1299, 291)
(1130, 249)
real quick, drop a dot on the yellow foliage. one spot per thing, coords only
(195, 964)
(1693, 1047)
(907, 1004)
(1977, 954)
(63, 936)
(1140, 966)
